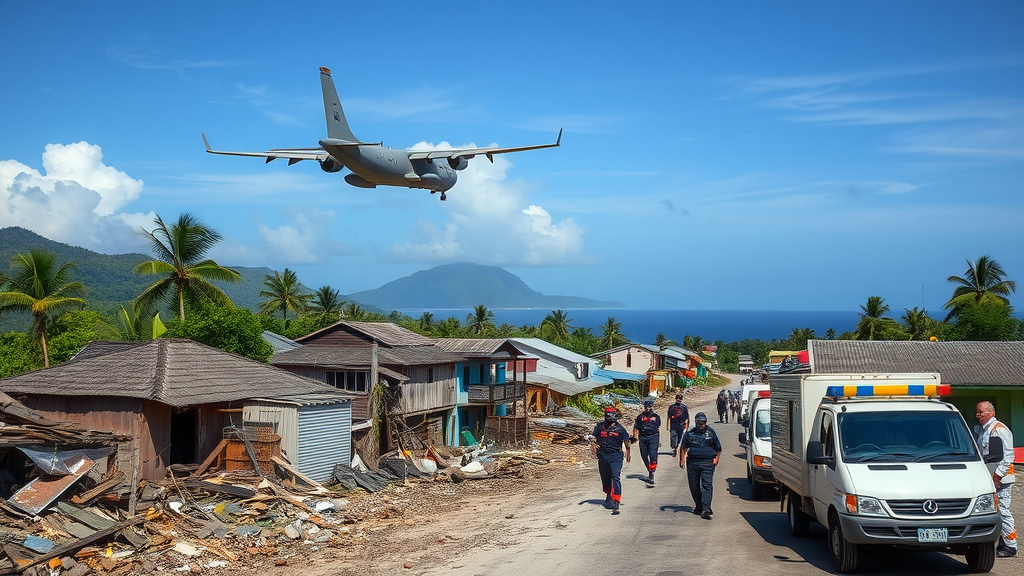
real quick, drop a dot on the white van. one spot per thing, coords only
(878, 459)
(747, 394)
(758, 439)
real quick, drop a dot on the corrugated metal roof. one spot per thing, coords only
(536, 345)
(311, 399)
(562, 380)
(176, 372)
(958, 363)
(278, 342)
(616, 375)
(472, 346)
(353, 357)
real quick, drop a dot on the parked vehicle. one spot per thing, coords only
(758, 439)
(747, 393)
(878, 459)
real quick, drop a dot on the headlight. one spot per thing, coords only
(864, 506)
(762, 461)
(985, 504)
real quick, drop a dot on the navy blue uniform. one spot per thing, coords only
(702, 446)
(648, 427)
(610, 437)
(678, 416)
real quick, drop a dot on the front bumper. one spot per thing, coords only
(875, 530)
(763, 476)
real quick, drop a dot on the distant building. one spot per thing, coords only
(746, 363)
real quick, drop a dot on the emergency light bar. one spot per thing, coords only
(889, 390)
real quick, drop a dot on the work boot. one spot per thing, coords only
(615, 507)
(608, 502)
(674, 452)
(706, 515)
(650, 478)
(1007, 552)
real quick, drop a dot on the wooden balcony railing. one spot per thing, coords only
(496, 393)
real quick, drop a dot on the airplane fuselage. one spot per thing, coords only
(380, 166)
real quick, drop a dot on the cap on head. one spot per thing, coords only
(701, 418)
(611, 414)
(648, 402)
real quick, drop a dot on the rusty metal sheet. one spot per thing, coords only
(35, 496)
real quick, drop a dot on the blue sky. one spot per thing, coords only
(764, 156)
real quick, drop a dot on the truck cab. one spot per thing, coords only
(882, 463)
(758, 440)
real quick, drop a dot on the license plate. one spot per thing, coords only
(932, 534)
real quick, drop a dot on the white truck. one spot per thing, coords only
(758, 440)
(878, 459)
(748, 392)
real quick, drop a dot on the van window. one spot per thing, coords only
(905, 437)
(763, 424)
(826, 434)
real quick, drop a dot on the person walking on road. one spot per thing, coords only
(723, 406)
(1002, 472)
(678, 422)
(646, 429)
(611, 438)
(701, 450)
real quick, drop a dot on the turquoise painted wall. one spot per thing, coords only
(1009, 403)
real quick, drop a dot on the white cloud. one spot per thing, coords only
(75, 202)
(488, 221)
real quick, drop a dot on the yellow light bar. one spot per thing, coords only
(889, 390)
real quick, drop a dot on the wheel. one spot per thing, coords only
(981, 557)
(799, 523)
(844, 554)
(756, 490)
(750, 478)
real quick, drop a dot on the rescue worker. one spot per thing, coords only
(678, 422)
(701, 450)
(611, 438)
(1002, 472)
(723, 406)
(646, 430)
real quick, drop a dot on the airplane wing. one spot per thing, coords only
(468, 153)
(292, 154)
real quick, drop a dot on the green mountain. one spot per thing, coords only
(465, 286)
(108, 279)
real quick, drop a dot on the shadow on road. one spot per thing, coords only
(594, 502)
(813, 550)
(674, 508)
(741, 488)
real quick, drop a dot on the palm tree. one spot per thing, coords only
(480, 320)
(130, 325)
(180, 249)
(611, 334)
(872, 317)
(38, 286)
(916, 322)
(284, 292)
(982, 281)
(830, 334)
(691, 343)
(799, 336)
(555, 326)
(353, 312)
(426, 322)
(326, 300)
(662, 342)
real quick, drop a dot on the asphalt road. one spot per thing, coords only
(656, 533)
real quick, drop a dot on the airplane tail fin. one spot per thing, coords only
(337, 126)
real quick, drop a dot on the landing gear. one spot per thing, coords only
(443, 197)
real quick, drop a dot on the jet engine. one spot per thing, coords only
(458, 163)
(330, 165)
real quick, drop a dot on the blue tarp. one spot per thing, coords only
(615, 375)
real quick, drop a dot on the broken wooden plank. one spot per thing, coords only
(228, 489)
(94, 521)
(100, 489)
(213, 456)
(299, 475)
(70, 547)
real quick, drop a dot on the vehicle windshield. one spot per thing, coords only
(905, 437)
(763, 425)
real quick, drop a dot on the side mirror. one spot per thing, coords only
(995, 450)
(743, 437)
(816, 454)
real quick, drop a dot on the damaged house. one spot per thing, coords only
(178, 399)
(420, 380)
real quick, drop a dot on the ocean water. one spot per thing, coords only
(643, 325)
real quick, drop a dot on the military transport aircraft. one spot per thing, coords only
(374, 165)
